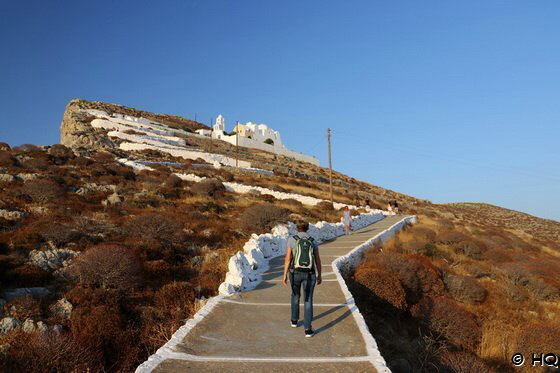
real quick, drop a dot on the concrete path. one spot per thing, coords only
(250, 331)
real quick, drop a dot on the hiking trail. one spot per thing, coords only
(250, 331)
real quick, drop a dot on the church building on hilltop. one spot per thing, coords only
(257, 136)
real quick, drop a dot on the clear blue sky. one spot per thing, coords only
(446, 100)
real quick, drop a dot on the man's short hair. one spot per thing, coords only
(302, 226)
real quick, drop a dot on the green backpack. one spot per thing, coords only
(303, 259)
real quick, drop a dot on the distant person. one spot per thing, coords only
(395, 207)
(346, 219)
(390, 206)
(303, 265)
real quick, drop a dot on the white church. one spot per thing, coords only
(258, 136)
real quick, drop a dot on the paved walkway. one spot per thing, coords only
(250, 331)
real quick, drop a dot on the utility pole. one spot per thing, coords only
(237, 144)
(330, 164)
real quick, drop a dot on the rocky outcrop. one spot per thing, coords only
(63, 308)
(12, 215)
(76, 131)
(7, 324)
(7, 178)
(23, 292)
(51, 260)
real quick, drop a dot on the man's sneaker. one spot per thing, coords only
(293, 323)
(309, 333)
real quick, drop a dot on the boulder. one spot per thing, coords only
(63, 308)
(7, 178)
(41, 327)
(27, 177)
(113, 199)
(51, 260)
(28, 326)
(12, 215)
(8, 295)
(76, 131)
(7, 324)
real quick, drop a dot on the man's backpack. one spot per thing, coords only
(303, 259)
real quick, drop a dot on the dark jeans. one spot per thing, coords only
(307, 280)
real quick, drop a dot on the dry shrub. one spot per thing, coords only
(498, 255)
(292, 202)
(176, 299)
(451, 236)
(28, 275)
(325, 206)
(117, 169)
(464, 362)
(417, 275)
(478, 270)
(49, 353)
(465, 289)
(108, 267)
(226, 176)
(23, 308)
(173, 181)
(262, 218)
(36, 163)
(81, 161)
(103, 157)
(384, 284)
(57, 233)
(7, 159)
(422, 232)
(519, 274)
(514, 293)
(209, 187)
(472, 248)
(538, 338)
(449, 320)
(269, 198)
(42, 190)
(155, 229)
(61, 152)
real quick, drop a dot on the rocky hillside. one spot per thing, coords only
(131, 196)
(77, 133)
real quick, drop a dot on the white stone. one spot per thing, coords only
(41, 327)
(28, 326)
(7, 178)
(12, 215)
(63, 308)
(27, 177)
(51, 260)
(7, 324)
(113, 199)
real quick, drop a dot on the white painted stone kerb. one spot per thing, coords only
(349, 261)
(246, 267)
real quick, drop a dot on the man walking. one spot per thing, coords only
(303, 264)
